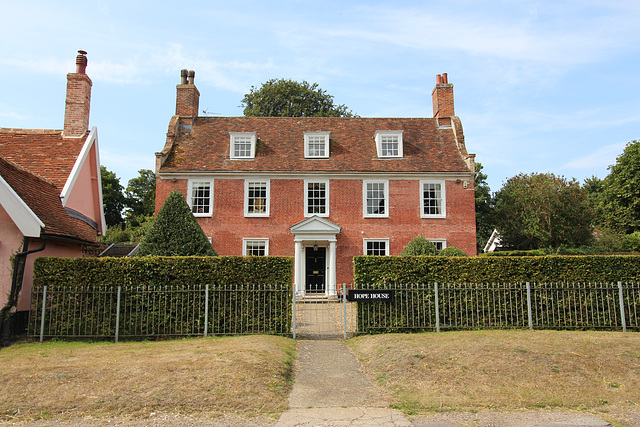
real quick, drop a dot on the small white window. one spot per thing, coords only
(256, 199)
(316, 144)
(433, 201)
(255, 247)
(316, 201)
(376, 198)
(200, 198)
(243, 145)
(389, 143)
(440, 244)
(378, 247)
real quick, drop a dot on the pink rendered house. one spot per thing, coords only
(50, 197)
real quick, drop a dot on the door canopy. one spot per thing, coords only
(315, 228)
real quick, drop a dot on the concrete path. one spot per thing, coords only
(330, 389)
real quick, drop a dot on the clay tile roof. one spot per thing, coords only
(43, 152)
(42, 197)
(204, 146)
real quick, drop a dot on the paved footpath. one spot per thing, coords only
(330, 389)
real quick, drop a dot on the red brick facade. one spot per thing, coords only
(198, 150)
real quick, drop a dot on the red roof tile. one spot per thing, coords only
(43, 152)
(280, 145)
(43, 198)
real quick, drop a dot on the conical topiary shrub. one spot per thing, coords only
(175, 232)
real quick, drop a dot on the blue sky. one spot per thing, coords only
(546, 86)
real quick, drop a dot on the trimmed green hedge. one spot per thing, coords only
(163, 296)
(371, 270)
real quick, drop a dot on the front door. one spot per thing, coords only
(315, 260)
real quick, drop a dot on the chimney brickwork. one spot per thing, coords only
(78, 101)
(442, 97)
(188, 96)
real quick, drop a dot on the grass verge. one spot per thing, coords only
(245, 376)
(504, 370)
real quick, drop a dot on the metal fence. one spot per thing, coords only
(159, 311)
(612, 306)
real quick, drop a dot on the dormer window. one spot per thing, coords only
(316, 145)
(389, 143)
(243, 145)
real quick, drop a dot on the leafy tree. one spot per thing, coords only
(419, 246)
(140, 196)
(620, 197)
(112, 197)
(175, 232)
(288, 98)
(542, 210)
(484, 208)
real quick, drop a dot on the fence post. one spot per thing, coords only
(44, 309)
(206, 311)
(293, 314)
(344, 308)
(118, 314)
(437, 308)
(621, 295)
(529, 310)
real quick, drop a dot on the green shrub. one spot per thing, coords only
(452, 251)
(631, 242)
(419, 246)
(175, 232)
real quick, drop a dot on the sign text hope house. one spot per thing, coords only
(365, 295)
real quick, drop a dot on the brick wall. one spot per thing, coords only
(228, 226)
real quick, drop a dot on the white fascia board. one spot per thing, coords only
(23, 217)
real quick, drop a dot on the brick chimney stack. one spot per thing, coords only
(188, 96)
(78, 101)
(442, 97)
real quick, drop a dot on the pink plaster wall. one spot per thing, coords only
(84, 196)
(10, 243)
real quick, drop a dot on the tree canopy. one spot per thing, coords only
(288, 98)
(112, 197)
(620, 192)
(484, 208)
(175, 232)
(542, 210)
(140, 196)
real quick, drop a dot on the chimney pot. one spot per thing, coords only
(192, 76)
(445, 80)
(183, 77)
(438, 79)
(81, 62)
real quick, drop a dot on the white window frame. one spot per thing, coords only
(381, 135)
(267, 183)
(365, 183)
(443, 199)
(190, 197)
(306, 197)
(307, 142)
(232, 145)
(441, 242)
(246, 241)
(365, 242)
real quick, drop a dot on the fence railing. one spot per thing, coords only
(159, 311)
(437, 306)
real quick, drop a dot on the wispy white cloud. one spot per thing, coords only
(598, 159)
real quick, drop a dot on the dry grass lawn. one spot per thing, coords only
(505, 370)
(213, 376)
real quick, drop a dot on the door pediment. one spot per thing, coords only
(315, 227)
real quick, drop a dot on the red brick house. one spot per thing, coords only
(321, 189)
(50, 194)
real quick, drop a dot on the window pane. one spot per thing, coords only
(377, 247)
(317, 146)
(390, 146)
(200, 197)
(316, 198)
(432, 198)
(257, 197)
(255, 247)
(241, 146)
(375, 198)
